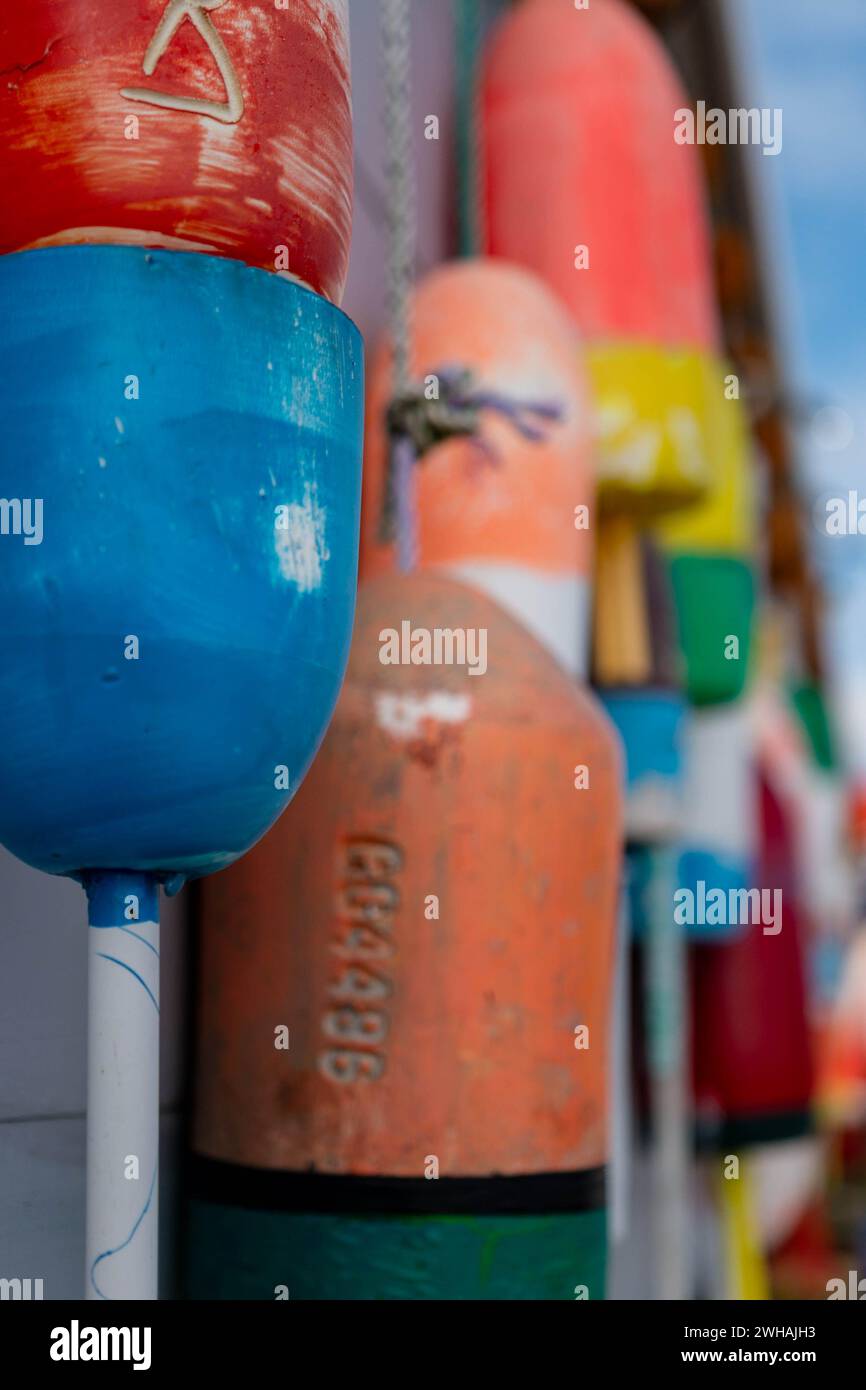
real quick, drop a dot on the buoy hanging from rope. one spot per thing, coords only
(433, 924)
(500, 430)
(624, 243)
(219, 126)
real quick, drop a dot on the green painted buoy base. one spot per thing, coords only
(715, 604)
(247, 1254)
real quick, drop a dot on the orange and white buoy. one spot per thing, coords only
(430, 931)
(505, 507)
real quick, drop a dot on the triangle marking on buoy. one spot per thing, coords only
(175, 15)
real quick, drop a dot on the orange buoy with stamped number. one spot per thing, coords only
(505, 505)
(221, 126)
(404, 989)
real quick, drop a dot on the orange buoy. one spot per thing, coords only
(222, 126)
(506, 506)
(432, 926)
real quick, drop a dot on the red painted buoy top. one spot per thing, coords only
(592, 95)
(221, 126)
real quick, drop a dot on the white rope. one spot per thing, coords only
(395, 31)
(399, 513)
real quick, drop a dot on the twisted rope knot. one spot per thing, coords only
(418, 424)
(456, 412)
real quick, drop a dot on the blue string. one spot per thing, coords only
(124, 966)
(106, 1254)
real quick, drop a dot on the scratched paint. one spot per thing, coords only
(301, 542)
(403, 716)
(243, 142)
(160, 523)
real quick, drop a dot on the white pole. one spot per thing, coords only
(122, 1087)
(666, 987)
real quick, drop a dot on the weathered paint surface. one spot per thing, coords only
(412, 1034)
(244, 136)
(161, 524)
(239, 1253)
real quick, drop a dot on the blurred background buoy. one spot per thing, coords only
(717, 844)
(711, 548)
(753, 1059)
(615, 193)
(505, 493)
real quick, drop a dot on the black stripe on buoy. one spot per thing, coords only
(211, 1180)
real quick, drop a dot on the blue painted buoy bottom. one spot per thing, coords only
(242, 1253)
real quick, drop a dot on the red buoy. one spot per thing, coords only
(221, 126)
(753, 1065)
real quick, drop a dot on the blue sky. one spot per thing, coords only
(809, 58)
